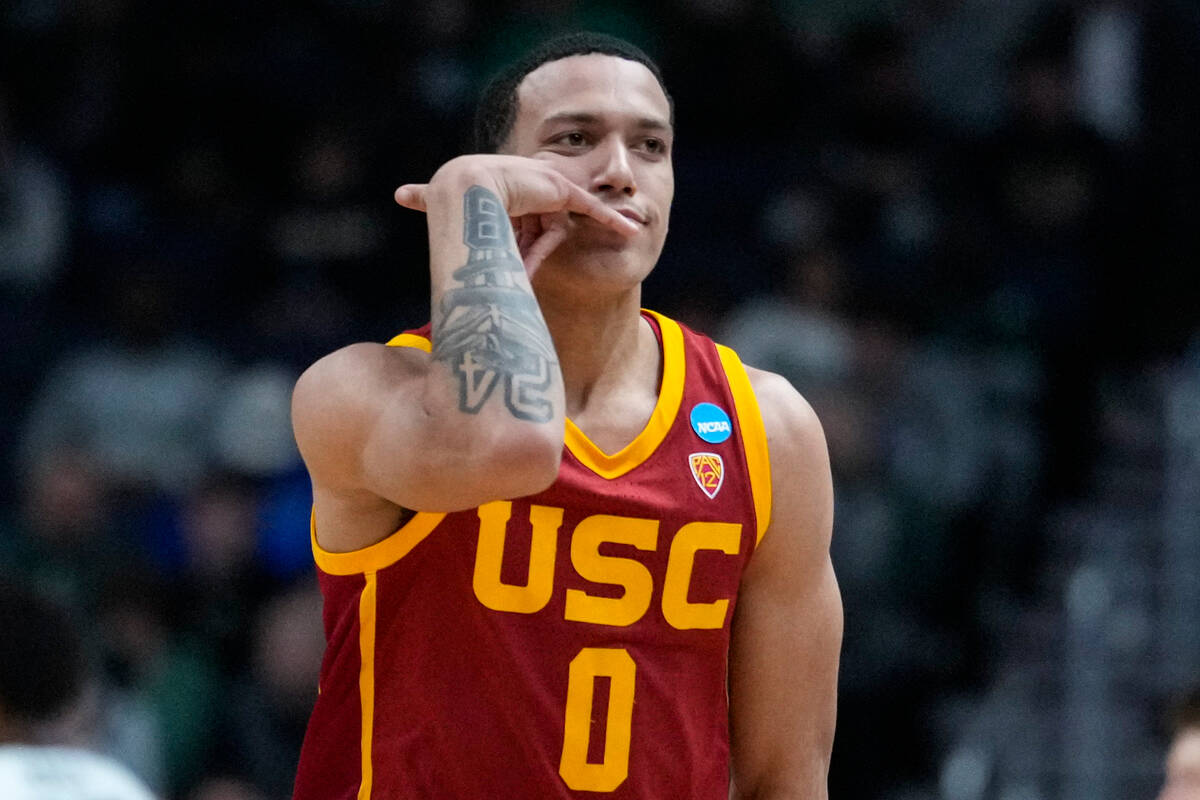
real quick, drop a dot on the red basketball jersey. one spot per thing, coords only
(570, 644)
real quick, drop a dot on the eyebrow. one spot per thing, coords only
(588, 118)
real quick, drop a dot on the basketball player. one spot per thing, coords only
(42, 670)
(568, 547)
(1183, 758)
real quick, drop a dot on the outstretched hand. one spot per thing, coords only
(539, 201)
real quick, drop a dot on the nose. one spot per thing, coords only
(614, 173)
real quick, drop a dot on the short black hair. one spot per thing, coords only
(42, 663)
(497, 109)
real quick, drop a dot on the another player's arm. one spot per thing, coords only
(787, 630)
(383, 429)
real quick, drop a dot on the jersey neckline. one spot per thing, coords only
(666, 408)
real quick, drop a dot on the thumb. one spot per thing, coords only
(412, 195)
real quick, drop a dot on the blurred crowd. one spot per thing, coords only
(947, 222)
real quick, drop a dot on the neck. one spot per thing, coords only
(602, 343)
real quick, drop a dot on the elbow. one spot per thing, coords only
(499, 465)
(528, 463)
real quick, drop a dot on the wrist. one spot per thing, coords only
(457, 175)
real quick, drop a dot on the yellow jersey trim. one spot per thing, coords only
(411, 340)
(670, 395)
(379, 555)
(754, 436)
(366, 680)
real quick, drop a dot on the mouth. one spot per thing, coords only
(628, 213)
(632, 214)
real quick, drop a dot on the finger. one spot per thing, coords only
(543, 247)
(528, 228)
(412, 195)
(583, 202)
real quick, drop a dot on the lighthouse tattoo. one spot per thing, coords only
(490, 330)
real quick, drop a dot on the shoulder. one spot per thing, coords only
(802, 485)
(792, 427)
(366, 361)
(788, 420)
(344, 375)
(339, 397)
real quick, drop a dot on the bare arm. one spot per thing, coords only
(787, 630)
(384, 429)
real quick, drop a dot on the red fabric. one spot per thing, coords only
(338, 710)
(470, 702)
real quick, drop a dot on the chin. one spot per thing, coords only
(594, 270)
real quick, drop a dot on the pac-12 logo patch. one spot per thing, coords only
(711, 423)
(709, 471)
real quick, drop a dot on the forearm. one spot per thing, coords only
(491, 416)
(493, 361)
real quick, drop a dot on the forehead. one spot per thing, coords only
(592, 83)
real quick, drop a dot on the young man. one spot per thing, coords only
(1183, 758)
(568, 547)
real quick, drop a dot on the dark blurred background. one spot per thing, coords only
(964, 229)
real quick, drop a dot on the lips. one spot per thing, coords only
(632, 214)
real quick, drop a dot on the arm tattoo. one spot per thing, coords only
(490, 330)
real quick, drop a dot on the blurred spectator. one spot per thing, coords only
(443, 73)
(252, 423)
(219, 580)
(1108, 66)
(263, 725)
(286, 508)
(515, 26)
(64, 536)
(138, 403)
(327, 239)
(163, 683)
(43, 668)
(327, 222)
(1052, 188)
(960, 51)
(304, 314)
(1182, 780)
(35, 229)
(801, 331)
(225, 788)
(34, 225)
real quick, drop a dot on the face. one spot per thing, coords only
(603, 122)
(1183, 768)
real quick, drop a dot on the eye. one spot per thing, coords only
(572, 139)
(656, 146)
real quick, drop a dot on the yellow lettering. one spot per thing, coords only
(489, 556)
(632, 575)
(576, 771)
(725, 537)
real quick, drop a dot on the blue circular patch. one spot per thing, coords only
(711, 423)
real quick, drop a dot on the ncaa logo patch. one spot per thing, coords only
(709, 471)
(711, 423)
